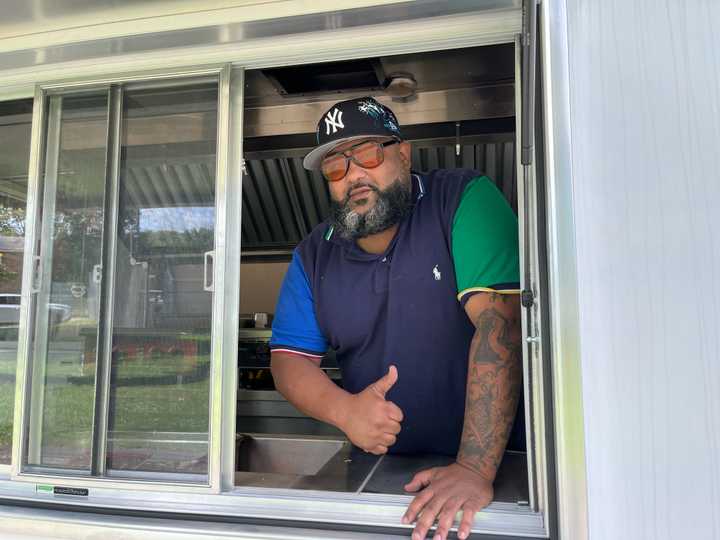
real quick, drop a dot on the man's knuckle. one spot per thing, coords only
(425, 496)
(437, 507)
(468, 516)
(474, 504)
(414, 509)
(447, 515)
(414, 513)
(426, 521)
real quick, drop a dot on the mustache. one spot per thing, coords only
(356, 186)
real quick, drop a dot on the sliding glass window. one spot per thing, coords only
(118, 374)
(67, 302)
(15, 126)
(161, 328)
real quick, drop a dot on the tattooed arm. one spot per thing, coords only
(494, 381)
(493, 391)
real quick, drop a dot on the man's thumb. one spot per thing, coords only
(383, 385)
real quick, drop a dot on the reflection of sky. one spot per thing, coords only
(181, 218)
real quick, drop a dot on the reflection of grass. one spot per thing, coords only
(183, 406)
(7, 396)
(9, 333)
(169, 407)
(162, 408)
(7, 367)
(71, 328)
(159, 366)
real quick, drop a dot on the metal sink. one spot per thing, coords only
(285, 455)
(330, 463)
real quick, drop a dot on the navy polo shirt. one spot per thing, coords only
(404, 307)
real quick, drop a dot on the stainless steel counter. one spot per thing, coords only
(333, 464)
(318, 463)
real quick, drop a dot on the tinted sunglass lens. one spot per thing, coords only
(334, 168)
(368, 155)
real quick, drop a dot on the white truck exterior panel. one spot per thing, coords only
(645, 129)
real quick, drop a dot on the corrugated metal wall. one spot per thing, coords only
(644, 82)
(282, 202)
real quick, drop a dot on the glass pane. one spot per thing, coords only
(159, 395)
(15, 125)
(67, 307)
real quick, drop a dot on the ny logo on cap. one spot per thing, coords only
(333, 120)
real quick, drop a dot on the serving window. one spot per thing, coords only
(157, 205)
(460, 114)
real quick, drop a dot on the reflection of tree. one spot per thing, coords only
(12, 224)
(142, 243)
(130, 222)
(5, 273)
(77, 243)
(12, 221)
(193, 241)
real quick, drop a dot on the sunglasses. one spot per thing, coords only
(367, 154)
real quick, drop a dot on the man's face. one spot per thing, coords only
(368, 201)
(359, 187)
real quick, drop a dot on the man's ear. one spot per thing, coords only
(405, 149)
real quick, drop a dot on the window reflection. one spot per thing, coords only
(15, 124)
(159, 408)
(66, 314)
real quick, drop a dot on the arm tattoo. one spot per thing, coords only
(493, 389)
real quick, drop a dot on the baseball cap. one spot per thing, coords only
(351, 120)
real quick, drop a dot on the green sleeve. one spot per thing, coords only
(485, 240)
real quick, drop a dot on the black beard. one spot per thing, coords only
(391, 206)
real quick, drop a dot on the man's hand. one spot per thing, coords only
(371, 422)
(447, 490)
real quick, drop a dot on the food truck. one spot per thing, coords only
(152, 193)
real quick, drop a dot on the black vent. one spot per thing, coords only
(331, 77)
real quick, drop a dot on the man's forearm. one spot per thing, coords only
(493, 387)
(308, 388)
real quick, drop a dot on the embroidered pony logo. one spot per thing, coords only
(436, 273)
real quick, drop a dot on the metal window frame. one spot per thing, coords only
(269, 42)
(40, 331)
(28, 278)
(53, 93)
(107, 291)
(333, 45)
(380, 510)
(564, 316)
(530, 362)
(226, 307)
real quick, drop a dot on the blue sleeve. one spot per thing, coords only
(295, 327)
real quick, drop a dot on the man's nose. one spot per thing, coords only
(354, 173)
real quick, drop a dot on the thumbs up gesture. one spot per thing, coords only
(372, 422)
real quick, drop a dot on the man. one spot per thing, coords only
(413, 282)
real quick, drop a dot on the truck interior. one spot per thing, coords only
(457, 108)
